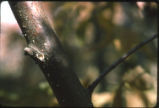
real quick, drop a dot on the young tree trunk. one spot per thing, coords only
(46, 50)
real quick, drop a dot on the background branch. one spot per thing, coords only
(119, 61)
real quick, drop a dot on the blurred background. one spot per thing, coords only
(94, 35)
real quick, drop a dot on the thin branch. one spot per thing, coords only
(119, 61)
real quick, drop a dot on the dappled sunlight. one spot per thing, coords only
(93, 35)
(117, 44)
(99, 99)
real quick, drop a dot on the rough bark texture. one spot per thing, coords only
(44, 47)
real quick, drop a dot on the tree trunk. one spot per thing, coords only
(46, 50)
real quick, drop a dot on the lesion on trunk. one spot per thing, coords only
(45, 48)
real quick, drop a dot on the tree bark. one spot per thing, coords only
(45, 48)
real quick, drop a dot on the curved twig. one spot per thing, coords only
(119, 61)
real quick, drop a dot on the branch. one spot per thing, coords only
(45, 48)
(119, 61)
